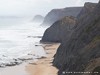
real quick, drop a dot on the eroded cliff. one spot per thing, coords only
(60, 30)
(81, 52)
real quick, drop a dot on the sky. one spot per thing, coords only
(35, 7)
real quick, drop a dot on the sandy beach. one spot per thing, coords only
(42, 66)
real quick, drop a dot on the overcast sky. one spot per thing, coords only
(33, 7)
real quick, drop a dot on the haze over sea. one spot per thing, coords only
(15, 41)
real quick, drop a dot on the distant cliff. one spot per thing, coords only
(56, 33)
(81, 52)
(38, 18)
(57, 14)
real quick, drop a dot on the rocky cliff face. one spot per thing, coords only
(56, 33)
(86, 10)
(81, 52)
(57, 14)
(66, 25)
(38, 18)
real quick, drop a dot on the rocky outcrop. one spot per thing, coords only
(56, 33)
(81, 52)
(57, 14)
(38, 18)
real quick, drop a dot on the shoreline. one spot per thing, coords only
(41, 66)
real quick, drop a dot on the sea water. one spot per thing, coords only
(17, 39)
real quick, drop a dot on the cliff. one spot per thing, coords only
(81, 52)
(66, 25)
(57, 14)
(38, 18)
(56, 33)
(86, 10)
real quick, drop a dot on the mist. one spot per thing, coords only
(30, 8)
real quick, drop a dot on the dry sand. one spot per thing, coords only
(41, 67)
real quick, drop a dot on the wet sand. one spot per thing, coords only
(41, 67)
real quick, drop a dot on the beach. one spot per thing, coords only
(41, 66)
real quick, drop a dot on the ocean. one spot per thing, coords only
(18, 37)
